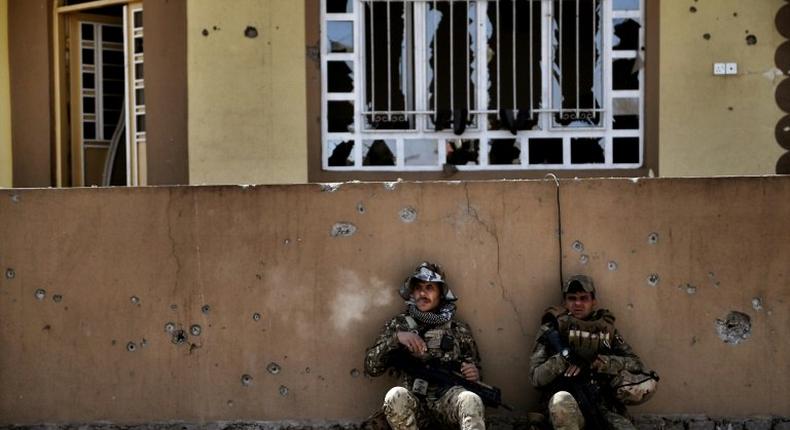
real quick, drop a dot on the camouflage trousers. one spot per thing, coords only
(457, 408)
(565, 414)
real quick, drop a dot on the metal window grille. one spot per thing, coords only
(482, 84)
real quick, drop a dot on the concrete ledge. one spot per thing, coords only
(643, 422)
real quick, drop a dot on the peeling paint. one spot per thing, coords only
(330, 187)
(343, 229)
(735, 328)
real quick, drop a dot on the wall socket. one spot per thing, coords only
(720, 69)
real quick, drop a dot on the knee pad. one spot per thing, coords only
(396, 397)
(565, 412)
(470, 403)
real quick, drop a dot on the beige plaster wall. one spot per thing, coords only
(716, 125)
(6, 178)
(246, 95)
(127, 261)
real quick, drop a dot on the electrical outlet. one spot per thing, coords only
(719, 69)
(731, 68)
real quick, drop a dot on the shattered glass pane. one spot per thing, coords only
(340, 76)
(626, 35)
(503, 88)
(379, 152)
(421, 152)
(340, 35)
(625, 113)
(504, 151)
(389, 68)
(545, 151)
(451, 64)
(340, 115)
(577, 66)
(625, 150)
(462, 152)
(339, 6)
(625, 74)
(341, 153)
(587, 150)
(625, 5)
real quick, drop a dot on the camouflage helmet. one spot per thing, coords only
(634, 388)
(582, 282)
(427, 272)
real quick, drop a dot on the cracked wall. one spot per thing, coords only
(247, 303)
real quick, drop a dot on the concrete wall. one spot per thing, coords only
(6, 165)
(716, 125)
(115, 266)
(246, 91)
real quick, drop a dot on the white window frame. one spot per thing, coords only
(545, 129)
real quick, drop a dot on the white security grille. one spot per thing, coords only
(482, 84)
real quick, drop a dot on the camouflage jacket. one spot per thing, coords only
(546, 365)
(462, 349)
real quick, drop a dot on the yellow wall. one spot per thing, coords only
(246, 95)
(715, 125)
(5, 101)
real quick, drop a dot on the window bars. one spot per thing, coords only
(524, 84)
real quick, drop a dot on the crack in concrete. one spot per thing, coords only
(492, 231)
(172, 238)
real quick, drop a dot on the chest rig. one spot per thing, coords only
(589, 337)
(442, 347)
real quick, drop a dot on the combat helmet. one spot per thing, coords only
(427, 272)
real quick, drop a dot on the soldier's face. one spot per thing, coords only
(426, 295)
(580, 305)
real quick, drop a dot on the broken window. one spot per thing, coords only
(418, 84)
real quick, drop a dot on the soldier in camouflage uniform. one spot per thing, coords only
(601, 356)
(427, 330)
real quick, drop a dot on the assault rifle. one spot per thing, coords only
(445, 376)
(581, 387)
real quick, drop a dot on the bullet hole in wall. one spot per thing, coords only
(204, 32)
(735, 328)
(57, 298)
(173, 307)
(246, 380)
(134, 300)
(343, 229)
(360, 208)
(251, 32)
(751, 40)
(256, 316)
(283, 390)
(354, 373)
(273, 368)
(169, 327)
(653, 279)
(330, 187)
(195, 330)
(577, 246)
(40, 294)
(179, 337)
(652, 238)
(706, 36)
(693, 9)
(408, 214)
(205, 309)
(584, 259)
(757, 304)
(131, 347)
(612, 266)
(10, 273)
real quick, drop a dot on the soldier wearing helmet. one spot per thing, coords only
(578, 350)
(428, 331)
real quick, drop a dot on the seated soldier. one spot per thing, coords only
(584, 368)
(428, 332)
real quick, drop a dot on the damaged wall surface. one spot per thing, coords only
(719, 125)
(257, 303)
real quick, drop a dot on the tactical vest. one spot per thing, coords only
(589, 337)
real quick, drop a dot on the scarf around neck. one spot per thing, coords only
(440, 316)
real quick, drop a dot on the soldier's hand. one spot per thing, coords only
(572, 370)
(413, 343)
(599, 365)
(470, 372)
